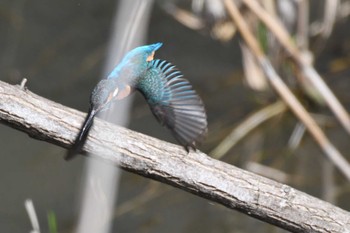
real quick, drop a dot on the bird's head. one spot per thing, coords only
(142, 54)
(134, 63)
(103, 93)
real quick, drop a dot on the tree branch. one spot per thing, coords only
(195, 172)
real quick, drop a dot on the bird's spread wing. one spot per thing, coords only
(174, 103)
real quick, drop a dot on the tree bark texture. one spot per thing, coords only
(194, 172)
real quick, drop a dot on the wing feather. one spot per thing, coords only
(174, 102)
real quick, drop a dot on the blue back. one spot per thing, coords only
(134, 64)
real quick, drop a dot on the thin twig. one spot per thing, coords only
(32, 216)
(333, 154)
(23, 83)
(297, 135)
(308, 71)
(247, 126)
(302, 33)
(326, 26)
(329, 186)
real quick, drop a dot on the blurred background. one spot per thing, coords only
(61, 47)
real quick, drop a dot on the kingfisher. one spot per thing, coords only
(169, 95)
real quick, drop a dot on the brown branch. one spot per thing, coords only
(195, 172)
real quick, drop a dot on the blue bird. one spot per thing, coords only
(170, 97)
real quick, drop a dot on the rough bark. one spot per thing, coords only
(194, 172)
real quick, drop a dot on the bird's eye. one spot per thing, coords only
(115, 92)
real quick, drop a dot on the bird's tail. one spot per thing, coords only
(81, 138)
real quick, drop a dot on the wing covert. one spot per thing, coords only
(174, 102)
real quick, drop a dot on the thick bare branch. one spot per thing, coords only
(195, 172)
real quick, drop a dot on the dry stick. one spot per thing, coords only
(247, 126)
(28, 204)
(308, 71)
(297, 135)
(333, 154)
(325, 28)
(193, 172)
(330, 16)
(302, 33)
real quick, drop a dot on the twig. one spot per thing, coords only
(23, 83)
(308, 71)
(186, 18)
(332, 153)
(302, 33)
(194, 172)
(325, 27)
(247, 126)
(297, 135)
(329, 186)
(32, 216)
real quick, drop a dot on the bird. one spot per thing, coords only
(170, 96)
